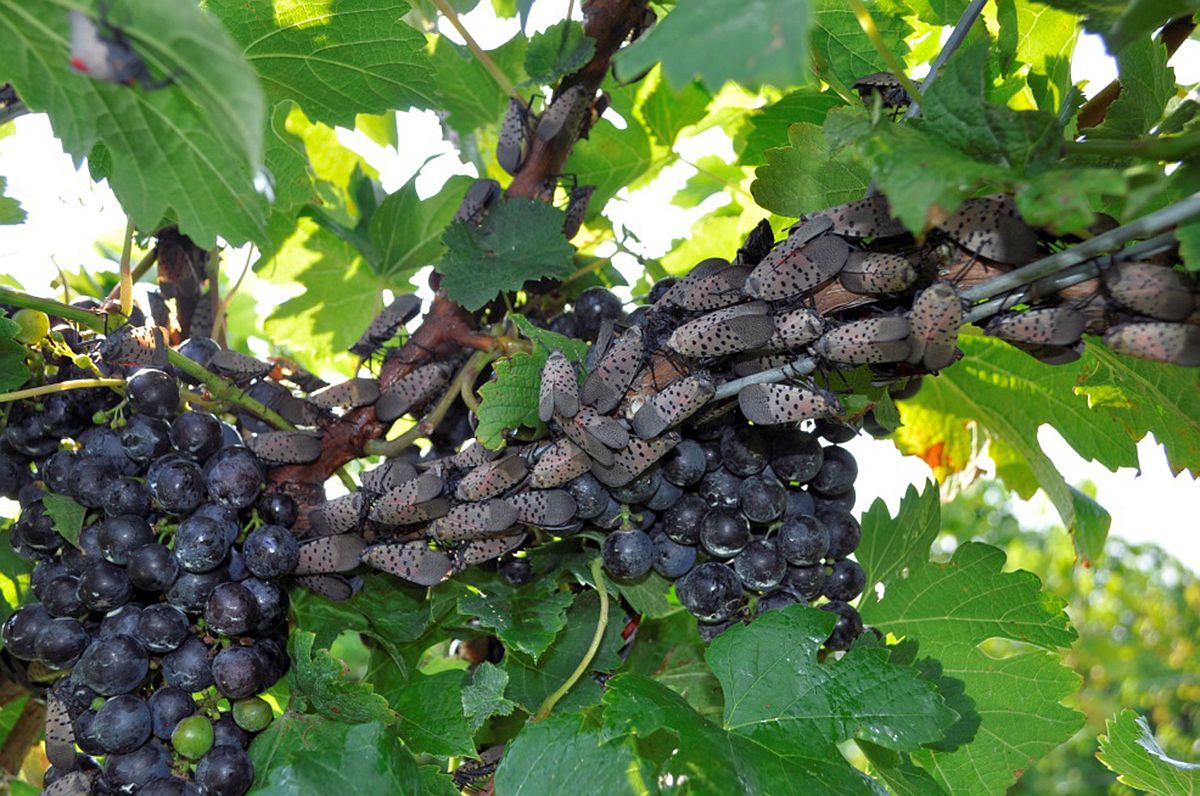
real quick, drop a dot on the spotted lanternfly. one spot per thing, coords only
(800, 271)
(480, 550)
(60, 733)
(413, 390)
(237, 365)
(391, 473)
(559, 390)
(545, 508)
(336, 588)
(73, 783)
(863, 218)
(491, 478)
(710, 285)
(794, 329)
(757, 244)
(558, 464)
(575, 431)
(159, 311)
(413, 561)
(472, 455)
(1052, 354)
(514, 136)
(297, 411)
(1176, 343)
(725, 331)
(286, 447)
(877, 273)
(386, 324)
(103, 52)
(799, 234)
(420, 512)
(473, 520)
(1056, 326)
(933, 327)
(394, 506)
(340, 553)
(605, 386)
(203, 317)
(757, 364)
(634, 459)
(867, 342)
(889, 88)
(772, 404)
(992, 228)
(670, 407)
(479, 197)
(565, 112)
(135, 346)
(339, 515)
(1153, 290)
(347, 395)
(577, 205)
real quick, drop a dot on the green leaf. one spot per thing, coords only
(748, 41)
(520, 240)
(546, 342)
(292, 181)
(317, 680)
(559, 50)
(11, 211)
(189, 151)
(526, 618)
(406, 230)
(889, 546)
(669, 651)
(1125, 21)
(427, 721)
(713, 176)
(953, 608)
(578, 760)
(769, 125)
(1147, 83)
(1045, 40)
(13, 370)
(804, 176)
(843, 48)
(484, 696)
(466, 90)
(14, 578)
(300, 755)
(1188, 236)
(1130, 750)
(326, 57)
(1066, 201)
(66, 514)
(530, 682)
(1092, 522)
(665, 112)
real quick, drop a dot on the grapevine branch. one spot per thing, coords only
(601, 625)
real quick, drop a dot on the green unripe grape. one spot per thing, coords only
(34, 324)
(82, 361)
(252, 715)
(193, 737)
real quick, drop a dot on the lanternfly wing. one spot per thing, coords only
(559, 390)
(510, 148)
(1175, 343)
(286, 447)
(340, 553)
(772, 404)
(473, 520)
(135, 345)
(1153, 290)
(559, 464)
(577, 205)
(868, 341)
(413, 390)
(670, 407)
(480, 550)
(631, 462)
(472, 455)
(877, 273)
(238, 365)
(394, 506)
(795, 329)
(339, 515)
(991, 228)
(933, 327)
(386, 324)
(335, 588)
(799, 271)
(863, 218)
(491, 478)
(413, 561)
(564, 113)
(73, 783)
(347, 395)
(711, 284)
(725, 331)
(391, 473)
(60, 733)
(605, 386)
(475, 203)
(545, 508)
(1056, 326)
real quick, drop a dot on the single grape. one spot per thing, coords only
(57, 472)
(145, 438)
(671, 559)
(61, 643)
(61, 416)
(271, 551)
(122, 724)
(121, 622)
(21, 630)
(223, 515)
(237, 672)
(761, 499)
(84, 735)
(196, 435)
(628, 554)
(152, 392)
(104, 586)
(760, 566)
(200, 350)
(799, 503)
(128, 496)
(43, 573)
(272, 603)
(200, 544)
(128, 773)
(112, 666)
(780, 598)
(844, 532)
(227, 733)
(797, 456)
(724, 533)
(640, 489)
(806, 583)
(803, 540)
(177, 484)
(119, 536)
(837, 473)
(610, 518)
(711, 592)
(278, 509)
(516, 571)
(745, 450)
(231, 610)
(712, 454)
(188, 667)
(162, 627)
(849, 625)
(168, 705)
(254, 714)
(225, 771)
(193, 737)
(710, 630)
(191, 589)
(682, 521)
(171, 786)
(152, 567)
(236, 564)
(846, 580)
(27, 436)
(686, 464)
(61, 597)
(835, 432)
(720, 488)
(590, 495)
(90, 479)
(33, 325)
(593, 307)
(234, 477)
(665, 497)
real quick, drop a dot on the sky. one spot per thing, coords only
(67, 213)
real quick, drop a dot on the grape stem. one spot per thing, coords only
(126, 283)
(139, 270)
(62, 386)
(480, 54)
(601, 625)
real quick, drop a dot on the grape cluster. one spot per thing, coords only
(156, 631)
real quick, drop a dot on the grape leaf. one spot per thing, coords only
(520, 240)
(546, 342)
(327, 57)
(1092, 522)
(1125, 21)
(1044, 38)
(66, 514)
(559, 50)
(317, 680)
(467, 92)
(13, 370)
(780, 729)
(484, 697)
(665, 112)
(1067, 200)
(299, 755)
(189, 151)
(888, 546)
(526, 618)
(669, 651)
(842, 47)
(769, 125)
(749, 41)
(1130, 750)
(426, 720)
(11, 211)
(580, 760)
(406, 230)
(804, 176)
(14, 578)
(1147, 83)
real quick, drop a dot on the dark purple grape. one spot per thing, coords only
(682, 521)
(122, 724)
(278, 509)
(227, 733)
(200, 544)
(152, 567)
(628, 554)
(799, 503)
(21, 630)
(104, 586)
(162, 628)
(171, 786)
(724, 533)
(121, 622)
(712, 454)
(516, 571)
(640, 489)
(271, 551)
(167, 706)
(780, 598)
(225, 516)
(844, 532)
(803, 540)
(200, 350)
(231, 610)
(565, 325)
(191, 589)
(234, 477)
(761, 499)
(272, 602)
(237, 565)
(90, 480)
(60, 417)
(837, 473)
(593, 307)
(188, 667)
(128, 496)
(36, 529)
(849, 625)
(112, 666)
(844, 501)
(56, 472)
(120, 536)
(805, 582)
(710, 630)
(745, 450)
(43, 573)
(196, 435)
(711, 592)
(671, 559)
(61, 597)
(28, 437)
(237, 672)
(177, 484)
(665, 497)
(84, 735)
(720, 488)
(13, 475)
(61, 643)
(145, 438)
(152, 392)
(129, 772)
(797, 456)
(610, 518)
(686, 464)
(835, 432)
(591, 497)
(225, 771)
(760, 566)
(101, 442)
(846, 580)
